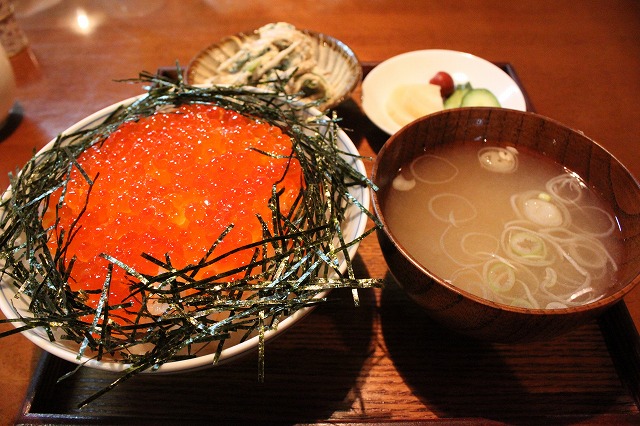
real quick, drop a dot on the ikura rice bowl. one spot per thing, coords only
(171, 234)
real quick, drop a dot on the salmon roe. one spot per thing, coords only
(171, 184)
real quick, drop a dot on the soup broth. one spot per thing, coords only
(505, 224)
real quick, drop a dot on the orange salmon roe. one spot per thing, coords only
(170, 184)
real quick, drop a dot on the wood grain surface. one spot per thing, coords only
(579, 63)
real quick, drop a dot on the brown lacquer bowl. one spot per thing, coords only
(473, 315)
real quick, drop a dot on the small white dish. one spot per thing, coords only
(420, 66)
(354, 225)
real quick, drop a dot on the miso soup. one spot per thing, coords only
(506, 224)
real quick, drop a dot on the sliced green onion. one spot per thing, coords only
(500, 276)
(528, 245)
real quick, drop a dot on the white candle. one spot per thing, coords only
(7, 87)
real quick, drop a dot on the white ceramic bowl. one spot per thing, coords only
(420, 66)
(13, 308)
(343, 70)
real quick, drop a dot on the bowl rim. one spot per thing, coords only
(325, 41)
(376, 203)
(228, 354)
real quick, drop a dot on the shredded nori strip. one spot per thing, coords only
(295, 263)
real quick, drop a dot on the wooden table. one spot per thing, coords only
(579, 63)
